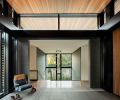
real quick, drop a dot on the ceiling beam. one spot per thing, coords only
(51, 34)
(112, 24)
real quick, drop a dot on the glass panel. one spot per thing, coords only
(117, 6)
(50, 73)
(58, 70)
(58, 76)
(105, 16)
(39, 23)
(4, 63)
(66, 60)
(66, 74)
(78, 23)
(51, 60)
(2, 77)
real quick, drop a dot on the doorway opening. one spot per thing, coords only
(60, 60)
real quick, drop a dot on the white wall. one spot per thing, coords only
(33, 56)
(85, 62)
(41, 64)
(37, 62)
(32, 62)
(76, 65)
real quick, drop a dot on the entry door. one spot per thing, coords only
(58, 67)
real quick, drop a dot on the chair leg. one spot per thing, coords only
(13, 98)
(18, 97)
(33, 90)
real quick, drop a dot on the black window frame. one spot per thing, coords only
(61, 67)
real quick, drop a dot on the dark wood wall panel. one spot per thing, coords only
(23, 56)
(95, 63)
(116, 62)
(106, 47)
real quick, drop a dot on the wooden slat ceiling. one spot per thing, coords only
(58, 6)
(66, 23)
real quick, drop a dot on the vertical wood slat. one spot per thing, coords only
(116, 62)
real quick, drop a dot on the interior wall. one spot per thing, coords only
(37, 63)
(85, 62)
(41, 64)
(116, 62)
(76, 65)
(33, 57)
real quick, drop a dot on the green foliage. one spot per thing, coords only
(66, 60)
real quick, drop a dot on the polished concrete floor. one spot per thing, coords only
(64, 90)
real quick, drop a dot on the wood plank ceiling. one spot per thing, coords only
(58, 6)
(55, 7)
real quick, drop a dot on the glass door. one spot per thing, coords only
(66, 67)
(51, 67)
(58, 67)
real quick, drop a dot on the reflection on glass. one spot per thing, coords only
(51, 60)
(39, 23)
(59, 84)
(58, 71)
(50, 73)
(66, 60)
(77, 23)
(58, 76)
(66, 73)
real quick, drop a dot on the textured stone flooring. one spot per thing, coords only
(64, 90)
